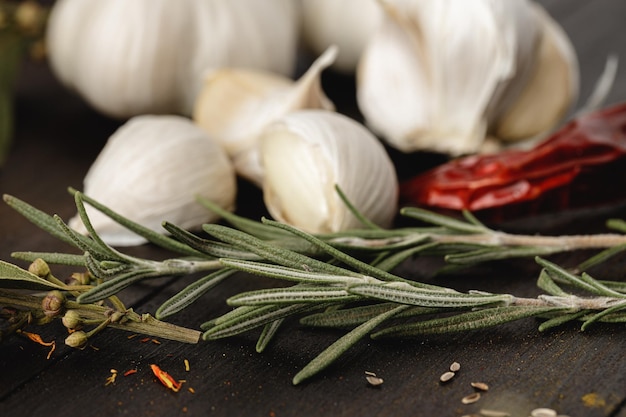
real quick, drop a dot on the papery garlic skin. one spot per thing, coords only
(151, 170)
(148, 56)
(235, 105)
(305, 154)
(438, 74)
(349, 24)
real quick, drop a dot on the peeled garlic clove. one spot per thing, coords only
(346, 23)
(307, 153)
(235, 105)
(550, 90)
(151, 170)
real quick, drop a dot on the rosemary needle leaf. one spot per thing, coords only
(12, 276)
(51, 257)
(286, 273)
(84, 243)
(330, 354)
(356, 213)
(252, 227)
(584, 281)
(546, 283)
(205, 246)
(441, 220)
(617, 224)
(600, 257)
(113, 286)
(346, 317)
(268, 333)
(271, 252)
(561, 319)
(390, 262)
(192, 292)
(406, 294)
(492, 253)
(598, 316)
(345, 258)
(156, 238)
(292, 295)
(472, 320)
(252, 319)
(40, 219)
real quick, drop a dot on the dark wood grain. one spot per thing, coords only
(576, 373)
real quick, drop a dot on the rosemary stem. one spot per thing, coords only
(144, 324)
(563, 242)
(571, 301)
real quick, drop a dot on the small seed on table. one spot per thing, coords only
(455, 367)
(480, 386)
(543, 412)
(493, 413)
(470, 399)
(446, 376)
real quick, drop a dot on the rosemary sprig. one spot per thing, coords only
(341, 280)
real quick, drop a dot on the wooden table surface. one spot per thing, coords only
(576, 373)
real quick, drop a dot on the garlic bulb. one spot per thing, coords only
(151, 170)
(148, 56)
(442, 75)
(346, 23)
(235, 105)
(306, 153)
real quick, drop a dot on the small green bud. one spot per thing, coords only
(79, 278)
(72, 320)
(78, 339)
(40, 268)
(53, 303)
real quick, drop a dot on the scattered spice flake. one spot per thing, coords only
(155, 341)
(471, 399)
(166, 379)
(145, 339)
(132, 336)
(37, 339)
(191, 390)
(593, 400)
(130, 372)
(480, 386)
(111, 379)
(455, 367)
(186, 365)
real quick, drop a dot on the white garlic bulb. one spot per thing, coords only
(442, 75)
(305, 154)
(346, 23)
(148, 56)
(235, 105)
(151, 170)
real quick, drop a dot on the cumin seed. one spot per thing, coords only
(471, 399)
(480, 386)
(543, 412)
(446, 376)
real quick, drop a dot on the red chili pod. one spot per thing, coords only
(581, 164)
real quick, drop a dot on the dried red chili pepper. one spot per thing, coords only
(579, 165)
